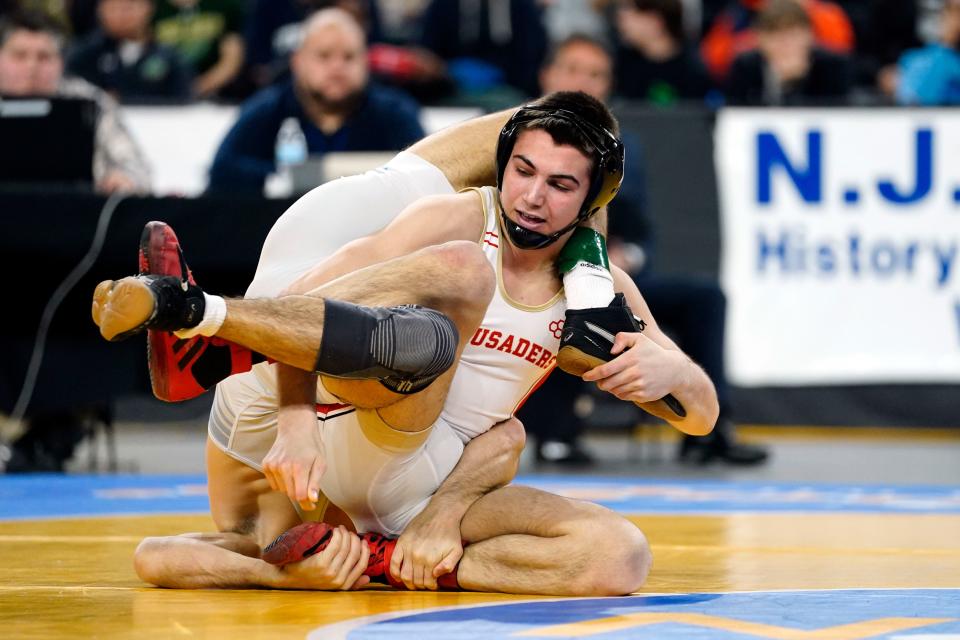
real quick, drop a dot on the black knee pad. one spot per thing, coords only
(405, 347)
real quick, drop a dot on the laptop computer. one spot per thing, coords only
(47, 140)
(330, 166)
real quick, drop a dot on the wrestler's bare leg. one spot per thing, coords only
(248, 515)
(523, 540)
(454, 278)
(465, 152)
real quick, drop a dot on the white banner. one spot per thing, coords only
(840, 233)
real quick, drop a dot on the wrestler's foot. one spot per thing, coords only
(309, 538)
(381, 553)
(181, 369)
(589, 334)
(122, 308)
(298, 543)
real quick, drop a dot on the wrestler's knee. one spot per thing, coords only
(620, 556)
(512, 433)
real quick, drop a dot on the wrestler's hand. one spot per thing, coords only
(429, 547)
(643, 372)
(296, 460)
(338, 567)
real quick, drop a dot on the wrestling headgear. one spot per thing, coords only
(604, 181)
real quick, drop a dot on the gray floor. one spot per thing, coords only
(175, 445)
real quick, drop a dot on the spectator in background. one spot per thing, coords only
(931, 75)
(31, 64)
(273, 32)
(653, 60)
(786, 68)
(493, 48)
(206, 34)
(123, 58)
(55, 10)
(691, 311)
(331, 99)
(732, 32)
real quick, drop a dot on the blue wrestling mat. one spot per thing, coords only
(894, 614)
(48, 495)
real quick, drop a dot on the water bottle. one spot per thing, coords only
(291, 148)
(290, 151)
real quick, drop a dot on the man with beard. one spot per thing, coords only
(329, 98)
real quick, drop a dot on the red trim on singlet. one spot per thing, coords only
(535, 387)
(328, 408)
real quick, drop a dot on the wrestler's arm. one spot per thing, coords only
(431, 545)
(651, 365)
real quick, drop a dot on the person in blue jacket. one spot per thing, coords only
(931, 76)
(330, 96)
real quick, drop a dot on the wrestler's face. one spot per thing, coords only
(544, 183)
(30, 64)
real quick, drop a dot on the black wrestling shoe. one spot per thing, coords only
(124, 307)
(589, 334)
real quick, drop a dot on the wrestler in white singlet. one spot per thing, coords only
(381, 477)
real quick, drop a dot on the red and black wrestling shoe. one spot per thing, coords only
(298, 543)
(309, 538)
(181, 369)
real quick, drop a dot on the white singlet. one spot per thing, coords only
(512, 351)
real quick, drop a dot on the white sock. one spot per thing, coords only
(587, 286)
(214, 313)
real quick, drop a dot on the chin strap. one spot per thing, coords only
(524, 238)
